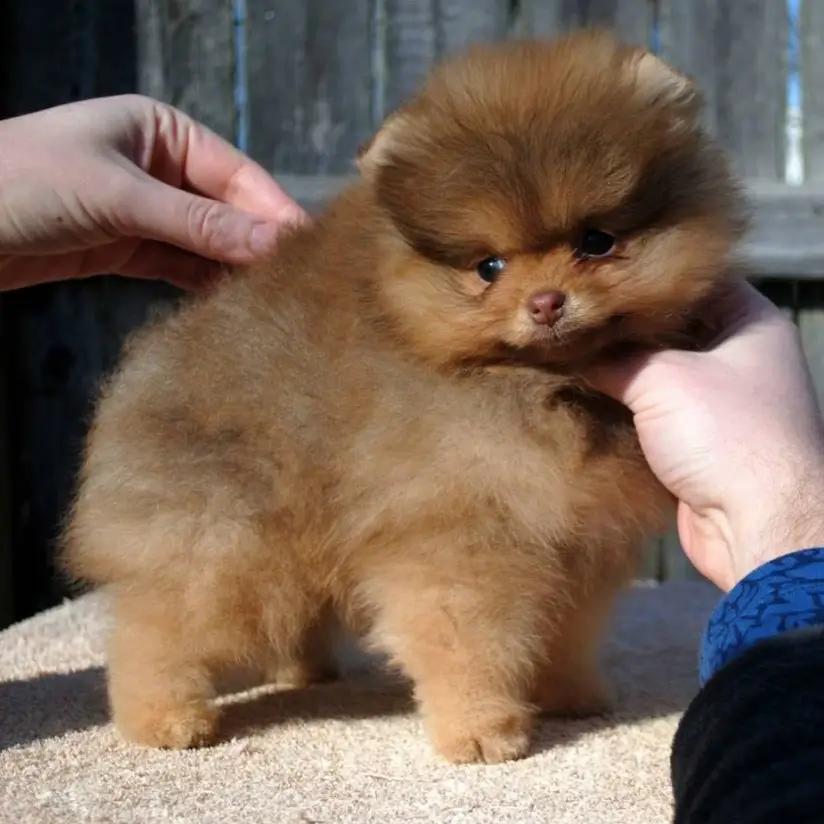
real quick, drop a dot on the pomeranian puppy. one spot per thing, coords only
(384, 423)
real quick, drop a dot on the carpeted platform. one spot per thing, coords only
(347, 752)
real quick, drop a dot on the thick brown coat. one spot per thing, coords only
(362, 427)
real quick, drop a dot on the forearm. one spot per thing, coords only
(750, 746)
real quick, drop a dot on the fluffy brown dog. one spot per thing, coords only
(381, 422)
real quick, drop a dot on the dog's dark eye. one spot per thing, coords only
(594, 244)
(489, 268)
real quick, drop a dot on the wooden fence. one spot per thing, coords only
(299, 84)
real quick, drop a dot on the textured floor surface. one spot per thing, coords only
(344, 753)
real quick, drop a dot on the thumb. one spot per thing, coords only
(197, 224)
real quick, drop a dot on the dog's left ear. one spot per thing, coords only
(659, 82)
(377, 151)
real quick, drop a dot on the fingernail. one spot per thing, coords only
(263, 237)
(294, 214)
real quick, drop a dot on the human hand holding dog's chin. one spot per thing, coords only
(131, 186)
(735, 433)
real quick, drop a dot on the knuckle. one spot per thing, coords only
(206, 222)
(199, 217)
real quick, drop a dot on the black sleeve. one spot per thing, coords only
(750, 747)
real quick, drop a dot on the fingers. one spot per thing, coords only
(204, 227)
(253, 190)
(737, 315)
(188, 153)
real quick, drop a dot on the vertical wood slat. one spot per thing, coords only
(811, 311)
(812, 84)
(737, 54)
(417, 34)
(408, 49)
(186, 57)
(463, 22)
(631, 19)
(309, 83)
(650, 568)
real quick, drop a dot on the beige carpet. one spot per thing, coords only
(347, 752)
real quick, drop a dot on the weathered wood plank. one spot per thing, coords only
(409, 49)
(310, 83)
(186, 57)
(787, 237)
(737, 54)
(418, 33)
(674, 563)
(632, 19)
(812, 86)
(463, 22)
(650, 567)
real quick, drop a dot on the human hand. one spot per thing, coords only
(735, 433)
(131, 186)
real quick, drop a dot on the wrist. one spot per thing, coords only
(782, 515)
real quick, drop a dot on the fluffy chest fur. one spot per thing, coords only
(518, 458)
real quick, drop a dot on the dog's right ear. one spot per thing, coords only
(657, 80)
(377, 151)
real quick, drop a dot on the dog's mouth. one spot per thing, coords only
(571, 344)
(570, 335)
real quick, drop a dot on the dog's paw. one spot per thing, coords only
(481, 740)
(181, 727)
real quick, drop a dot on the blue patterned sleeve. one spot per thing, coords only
(782, 595)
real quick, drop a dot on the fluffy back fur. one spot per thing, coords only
(372, 427)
